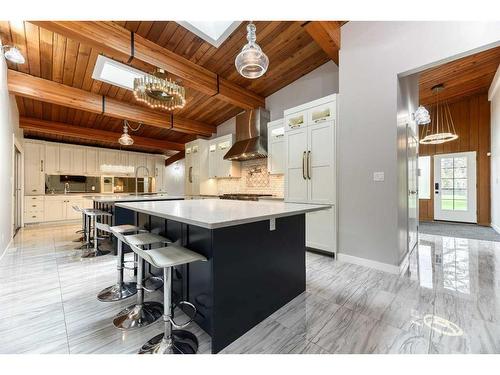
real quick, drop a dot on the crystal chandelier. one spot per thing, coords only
(441, 128)
(157, 91)
(251, 62)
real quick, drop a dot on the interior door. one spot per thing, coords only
(455, 187)
(412, 168)
(296, 160)
(320, 158)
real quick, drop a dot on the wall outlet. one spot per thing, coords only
(378, 176)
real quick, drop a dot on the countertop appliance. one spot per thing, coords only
(244, 196)
(251, 136)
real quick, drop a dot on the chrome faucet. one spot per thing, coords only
(137, 172)
(66, 188)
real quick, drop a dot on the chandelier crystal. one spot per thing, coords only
(158, 91)
(251, 62)
(441, 128)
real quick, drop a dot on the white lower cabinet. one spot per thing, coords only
(46, 208)
(320, 232)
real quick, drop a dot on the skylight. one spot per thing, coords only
(115, 73)
(214, 32)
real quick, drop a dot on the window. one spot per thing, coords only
(424, 177)
(214, 32)
(115, 73)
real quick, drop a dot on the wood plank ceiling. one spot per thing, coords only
(291, 50)
(470, 75)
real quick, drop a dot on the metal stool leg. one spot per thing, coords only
(142, 313)
(120, 290)
(96, 252)
(170, 341)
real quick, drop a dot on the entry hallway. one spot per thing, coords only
(448, 302)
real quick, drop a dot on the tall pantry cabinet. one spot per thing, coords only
(310, 167)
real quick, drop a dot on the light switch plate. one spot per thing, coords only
(378, 176)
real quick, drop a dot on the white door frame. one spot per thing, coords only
(469, 216)
(16, 144)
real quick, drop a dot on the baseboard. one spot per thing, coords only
(495, 227)
(320, 251)
(369, 263)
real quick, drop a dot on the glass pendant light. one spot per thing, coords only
(251, 62)
(441, 128)
(13, 54)
(126, 139)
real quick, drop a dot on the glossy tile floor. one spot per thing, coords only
(449, 302)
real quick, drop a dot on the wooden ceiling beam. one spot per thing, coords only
(91, 134)
(116, 41)
(28, 86)
(327, 35)
(180, 155)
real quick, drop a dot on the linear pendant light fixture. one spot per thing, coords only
(441, 128)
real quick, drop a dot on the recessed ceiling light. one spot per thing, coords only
(214, 32)
(115, 73)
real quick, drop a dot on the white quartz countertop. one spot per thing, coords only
(133, 198)
(219, 213)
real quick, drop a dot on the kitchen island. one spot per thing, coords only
(255, 252)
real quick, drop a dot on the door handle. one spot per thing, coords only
(309, 164)
(303, 166)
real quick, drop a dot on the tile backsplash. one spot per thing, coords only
(255, 179)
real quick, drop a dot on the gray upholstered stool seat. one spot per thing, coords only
(171, 341)
(141, 313)
(121, 289)
(146, 239)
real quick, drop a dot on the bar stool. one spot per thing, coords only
(171, 341)
(93, 214)
(141, 313)
(121, 289)
(83, 231)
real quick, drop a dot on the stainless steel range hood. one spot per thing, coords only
(251, 136)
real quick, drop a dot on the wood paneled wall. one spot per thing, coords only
(471, 117)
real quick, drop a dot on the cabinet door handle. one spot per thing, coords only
(303, 166)
(191, 174)
(309, 164)
(41, 165)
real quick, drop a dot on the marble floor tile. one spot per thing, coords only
(447, 302)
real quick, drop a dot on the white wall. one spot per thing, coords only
(371, 57)
(175, 178)
(9, 125)
(494, 97)
(321, 82)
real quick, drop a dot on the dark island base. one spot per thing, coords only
(251, 271)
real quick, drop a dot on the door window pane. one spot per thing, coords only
(424, 177)
(454, 184)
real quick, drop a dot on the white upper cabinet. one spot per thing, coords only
(78, 161)
(65, 156)
(92, 162)
(51, 158)
(151, 164)
(213, 160)
(34, 168)
(217, 166)
(276, 147)
(226, 168)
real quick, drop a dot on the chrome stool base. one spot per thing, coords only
(181, 342)
(95, 253)
(117, 292)
(137, 316)
(153, 283)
